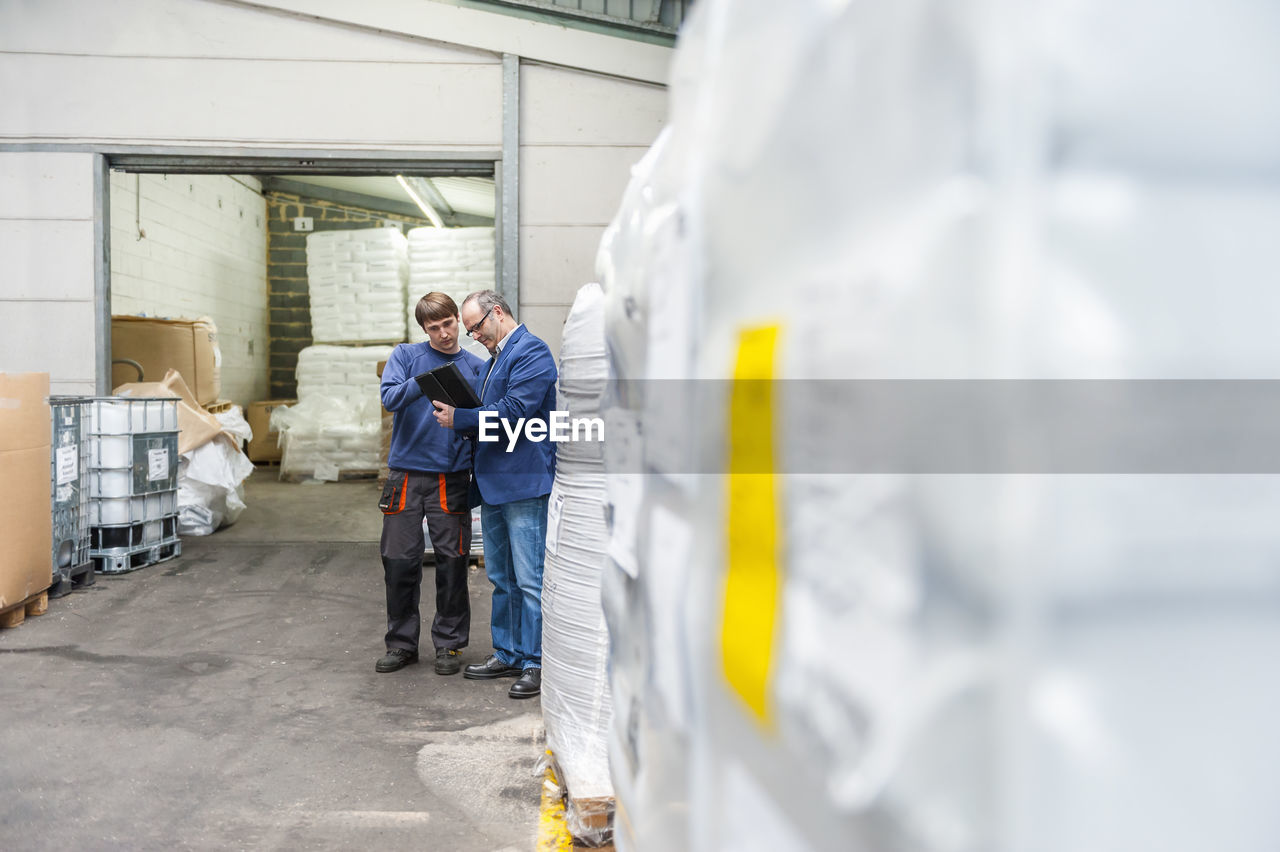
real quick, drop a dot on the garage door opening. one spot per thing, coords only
(233, 247)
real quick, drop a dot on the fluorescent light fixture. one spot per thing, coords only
(422, 204)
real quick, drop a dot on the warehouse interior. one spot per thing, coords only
(228, 247)
(932, 351)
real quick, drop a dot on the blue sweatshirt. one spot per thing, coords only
(418, 442)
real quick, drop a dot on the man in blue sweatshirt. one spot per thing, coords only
(430, 477)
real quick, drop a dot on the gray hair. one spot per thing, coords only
(486, 299)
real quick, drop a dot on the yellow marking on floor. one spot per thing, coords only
(553, 831)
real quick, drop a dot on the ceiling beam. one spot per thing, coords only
(434, 198)
(342, 196)
(376, 203)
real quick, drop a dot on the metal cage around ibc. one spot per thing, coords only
(69, 494)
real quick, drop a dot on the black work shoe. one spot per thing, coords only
(447, 661)
(490, 669)
(396, 659)
(529, 684)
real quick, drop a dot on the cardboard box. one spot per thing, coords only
(265, 445)
(26, 522)
(159, 345)
(195, 425)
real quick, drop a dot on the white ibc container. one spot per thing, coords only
(126, 510)
(110, 483)
(109, 417)
(123, 415)
(110, 451)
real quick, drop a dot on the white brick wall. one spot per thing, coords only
(204, 254)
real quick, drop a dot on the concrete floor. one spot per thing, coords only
(227, 700)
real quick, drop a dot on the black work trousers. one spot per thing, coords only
(440, 498)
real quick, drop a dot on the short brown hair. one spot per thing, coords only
(433, 307)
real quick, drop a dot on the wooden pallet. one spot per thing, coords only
(343, 475)
(16, 614)
(218, 406)
(591, 817)
(596, 819)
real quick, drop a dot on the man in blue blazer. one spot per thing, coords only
(513, 472)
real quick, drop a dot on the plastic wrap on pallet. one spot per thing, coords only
(969, 661)
(323, 436)
(337, 424)
(356, 281)
(576, 705)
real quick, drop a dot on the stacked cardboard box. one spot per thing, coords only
(265, 444)
(26, 523)
(189, 346)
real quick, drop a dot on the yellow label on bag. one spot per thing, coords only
(753, 576)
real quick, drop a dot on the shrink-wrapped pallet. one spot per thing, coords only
(337, 424)
(576, 705)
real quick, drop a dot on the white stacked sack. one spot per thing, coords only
(453, 261)
(357, 281)
(347, 372)
(337, 422)
(576, 702)
(892, 655)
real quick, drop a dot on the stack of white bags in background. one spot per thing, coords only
(364, 286)
(453, 261)
(357, 282)
(349, 373)
(337, 423)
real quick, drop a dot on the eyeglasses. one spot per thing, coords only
(471, 332)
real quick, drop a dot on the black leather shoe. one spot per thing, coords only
(490, 669)
(447, 662)
(396, 659)
(529, 684)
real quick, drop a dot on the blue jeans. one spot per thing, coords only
(515, 535)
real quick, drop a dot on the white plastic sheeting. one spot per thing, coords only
(576, 704)
(211, 477)
(337, 423)
(1006, 661)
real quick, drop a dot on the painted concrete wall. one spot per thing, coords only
(199, 74)
(47, 257)
(202, 251)
(580, 134)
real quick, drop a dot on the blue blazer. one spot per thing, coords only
(520, 382)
